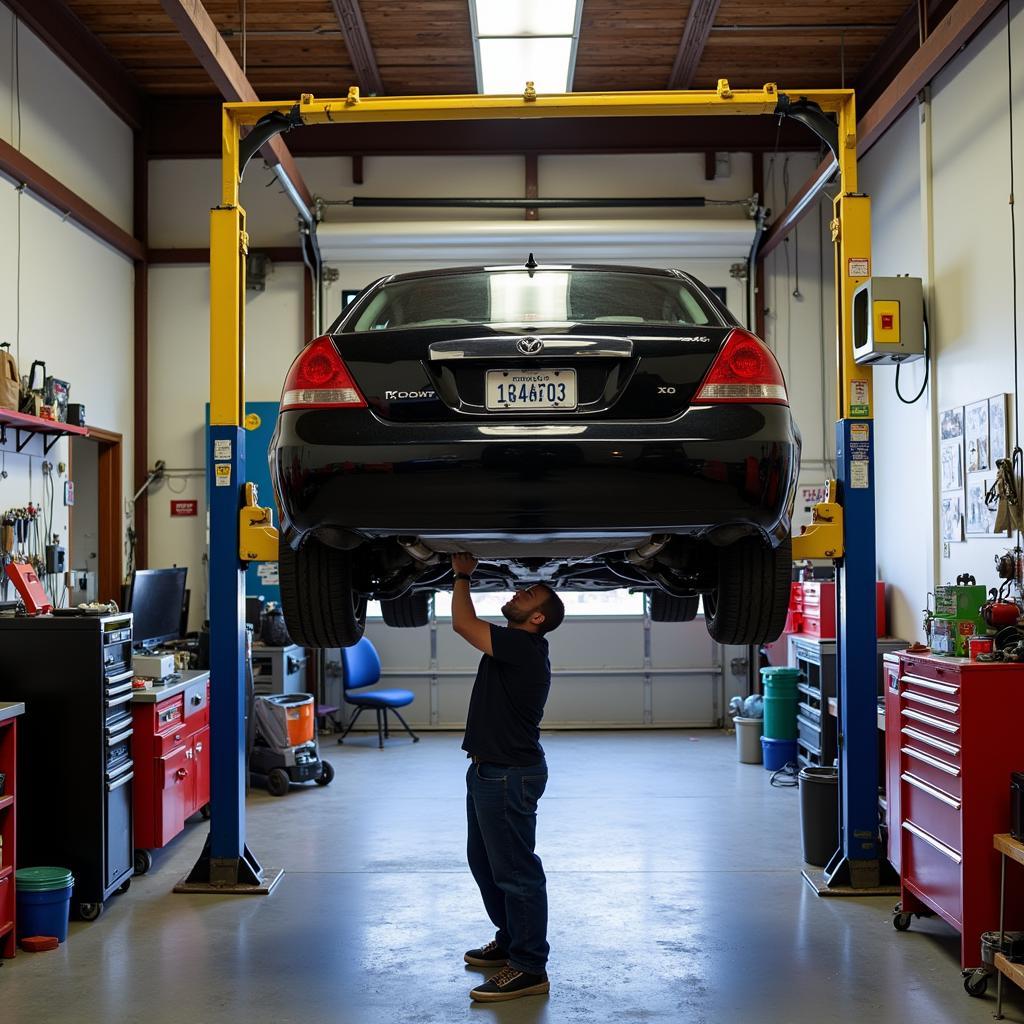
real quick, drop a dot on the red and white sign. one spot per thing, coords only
(185, 508)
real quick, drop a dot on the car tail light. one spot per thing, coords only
(744, 371)
(319, 379)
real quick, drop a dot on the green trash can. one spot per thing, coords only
(780, 701)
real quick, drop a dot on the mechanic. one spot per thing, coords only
(506, 777)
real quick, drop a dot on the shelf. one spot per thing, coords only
(1015, 972)
(26, 427)
(1009, 847)
(6, 801)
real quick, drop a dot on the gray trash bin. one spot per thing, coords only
(819, 814)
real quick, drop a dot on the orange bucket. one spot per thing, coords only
(299, 710)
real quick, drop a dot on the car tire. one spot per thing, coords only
(749, 604)
(321, 606)
(408, 611)
(666, 608)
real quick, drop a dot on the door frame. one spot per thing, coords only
(110, 498)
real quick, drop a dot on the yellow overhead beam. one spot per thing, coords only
(693, 102)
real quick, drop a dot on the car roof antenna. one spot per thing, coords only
(531, 264)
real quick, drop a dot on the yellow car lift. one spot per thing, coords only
(240, 530)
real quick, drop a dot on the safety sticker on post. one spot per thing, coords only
(859, 474)
(222, 450)
(223, 475)
(858, 267)
(860, 404)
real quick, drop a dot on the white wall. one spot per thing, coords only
(890, 173)
(964, 250)
(64, 297)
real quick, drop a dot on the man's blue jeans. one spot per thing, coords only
(501, 806)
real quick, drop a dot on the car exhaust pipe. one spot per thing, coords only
(418, 551)
(642, 555)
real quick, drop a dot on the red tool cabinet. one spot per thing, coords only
(9, 713)
(953, 736)
(172, 761)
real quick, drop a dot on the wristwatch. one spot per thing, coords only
(463, 576)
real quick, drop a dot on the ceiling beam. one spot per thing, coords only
(19, 169)
(84, 54)
(360, 49)
(946, 40)
(198, 30)
(699, 20)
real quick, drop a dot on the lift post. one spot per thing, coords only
(227, 865)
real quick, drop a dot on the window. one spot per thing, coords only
(517, 297)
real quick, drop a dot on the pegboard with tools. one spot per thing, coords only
(31, 535)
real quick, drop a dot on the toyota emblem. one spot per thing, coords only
(529, 346)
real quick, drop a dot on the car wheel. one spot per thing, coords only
(666, 608)
(407, 611)
(321, 606)
(749, 604)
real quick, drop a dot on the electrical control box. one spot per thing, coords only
(888, 320)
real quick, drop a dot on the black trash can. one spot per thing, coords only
(819, 814)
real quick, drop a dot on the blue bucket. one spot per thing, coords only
(44, 913)
(777, 753)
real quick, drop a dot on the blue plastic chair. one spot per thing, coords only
(361, 665)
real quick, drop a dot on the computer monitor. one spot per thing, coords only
(156, 601)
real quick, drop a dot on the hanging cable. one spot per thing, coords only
(927, 367)
(1013, 239)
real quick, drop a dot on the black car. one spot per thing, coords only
(591, 427)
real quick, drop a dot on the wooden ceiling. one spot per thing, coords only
(425, 46)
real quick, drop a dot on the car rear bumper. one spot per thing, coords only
(712, 471)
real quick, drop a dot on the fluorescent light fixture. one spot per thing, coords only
(520, 41)
(525, 17)
(508, 64)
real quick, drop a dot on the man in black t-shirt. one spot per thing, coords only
(506, 778)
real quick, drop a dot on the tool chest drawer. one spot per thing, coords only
(934, 871)
(929, 766)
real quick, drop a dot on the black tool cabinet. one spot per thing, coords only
(75, 765)
(816, 660)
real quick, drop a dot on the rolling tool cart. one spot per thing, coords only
(285, 748)
(957, 750)
(74, 675)
(172, 761)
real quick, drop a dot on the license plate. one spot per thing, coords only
(530, 390)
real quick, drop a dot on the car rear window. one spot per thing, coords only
(543, 297)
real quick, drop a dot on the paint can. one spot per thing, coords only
(979, 645)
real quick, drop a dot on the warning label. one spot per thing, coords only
(858, 267)
(222, 450)
(860, 404)
(859, 474)
(223, 475)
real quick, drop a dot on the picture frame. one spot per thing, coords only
(999, 442)
(976, 438)
(952, 518)
(979, 519)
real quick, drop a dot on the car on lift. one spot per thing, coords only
(588, 427)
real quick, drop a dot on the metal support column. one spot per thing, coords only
(226, 864)
(857, 862)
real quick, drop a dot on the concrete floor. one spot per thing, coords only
(674, 886)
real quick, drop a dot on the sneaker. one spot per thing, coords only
(491, 955)
(509, 983)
